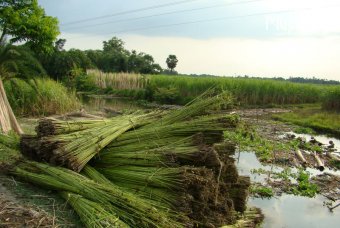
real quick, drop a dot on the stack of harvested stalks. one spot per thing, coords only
(148, 170)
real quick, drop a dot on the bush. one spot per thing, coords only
(86, 83)
(41, 96)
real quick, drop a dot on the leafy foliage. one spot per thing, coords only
(305, 188)
(25, 20)
(171, 61)
(18, 61)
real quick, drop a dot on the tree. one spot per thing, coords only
(171, 61)
(25, 21)
(114, 45)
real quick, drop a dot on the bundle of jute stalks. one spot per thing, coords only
(155, 169)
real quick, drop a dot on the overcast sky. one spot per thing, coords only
(266, 38)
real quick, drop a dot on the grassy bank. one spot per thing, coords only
(314, 118)
(42, 96)
(181, 89)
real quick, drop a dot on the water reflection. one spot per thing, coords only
(100, 103)
(287, 211)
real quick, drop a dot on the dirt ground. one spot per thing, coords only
(17, 214)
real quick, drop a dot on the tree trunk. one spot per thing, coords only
(8, 120)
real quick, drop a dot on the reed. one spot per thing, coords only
(118, 81)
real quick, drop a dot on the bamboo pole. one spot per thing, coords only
(301, 157)
(9, 122)
(320, 163)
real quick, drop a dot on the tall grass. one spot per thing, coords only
(119, 81)
(41, 96)
(331, 99)
(247, 91)
(181, 89)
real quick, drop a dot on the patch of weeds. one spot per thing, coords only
(304, 130)
(284, 174)
(261, 191)
(304, 187)
(247, 139)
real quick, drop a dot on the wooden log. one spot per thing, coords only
(319, 162)
(301, 157)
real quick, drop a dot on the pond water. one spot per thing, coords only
(108, 103)
(287, 211)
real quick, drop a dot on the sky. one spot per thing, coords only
(261, 38)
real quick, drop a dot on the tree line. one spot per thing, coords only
(113, 57)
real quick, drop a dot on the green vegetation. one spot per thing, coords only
(316, 119)
(331, 100)
(26, 21)
(113, 58)
(304, 130)
(261, 191)
(41, 96)
(181, 89)
(304, 187)
(248, 140)
(171, 62)
(246, 91)
(9, 149)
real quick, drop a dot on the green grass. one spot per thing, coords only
(179, 89)
(331, 99)
(42, 96)
(314, 118)
(247, 91)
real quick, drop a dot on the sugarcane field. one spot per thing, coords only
(166, 114)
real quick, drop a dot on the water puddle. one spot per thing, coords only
(108, 104)
(287, 211)
(324, 139)
(291, 211)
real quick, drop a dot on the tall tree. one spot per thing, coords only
(23, 21)
(171, 61)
